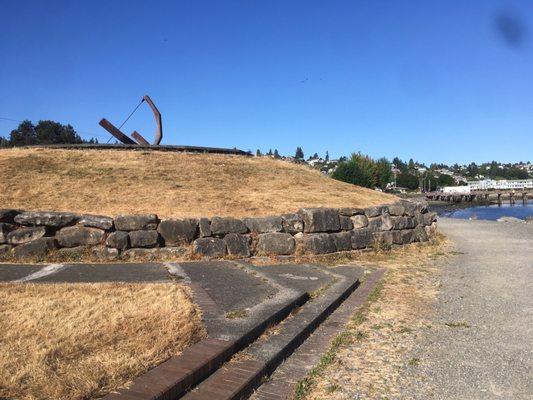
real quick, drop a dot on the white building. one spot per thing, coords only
(456, 189)
(504, 184)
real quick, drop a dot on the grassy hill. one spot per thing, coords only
(110, 182)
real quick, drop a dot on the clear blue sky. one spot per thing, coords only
(435, 82)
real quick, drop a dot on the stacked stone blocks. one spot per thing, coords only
(310, 230)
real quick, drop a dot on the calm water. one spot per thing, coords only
(493, 212)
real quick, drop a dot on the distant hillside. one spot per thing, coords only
(110, 182)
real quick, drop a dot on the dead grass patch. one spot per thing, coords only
(80, 341)
(111, 182)
(370, 360)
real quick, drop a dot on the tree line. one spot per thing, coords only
(45, 132)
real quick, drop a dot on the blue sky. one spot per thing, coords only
(435, 82)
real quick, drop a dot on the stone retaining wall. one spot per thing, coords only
(310, 230)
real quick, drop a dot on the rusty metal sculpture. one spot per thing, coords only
(138, 139)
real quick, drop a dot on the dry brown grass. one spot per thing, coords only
(79, 341)
(168, 184)
(370, 362)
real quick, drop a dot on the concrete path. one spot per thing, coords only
(481, 341)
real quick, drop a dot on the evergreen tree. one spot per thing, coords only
(24, 134)
(50, 132)
(258, 153)
(276, 154)
(299, 153)
(383, 172)
(327, 156)
(45, 132)
(358, 170)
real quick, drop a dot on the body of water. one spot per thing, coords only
(492, 212)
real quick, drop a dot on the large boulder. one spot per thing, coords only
(431, 217)
(73, 236)
(178, 231)
(237, 245)
(422, 206)
(26, 235)
(221, 226)
(351, 211)
(264, 224)
(343, 240)
(431, 230)
(362, 238)
(359, 221)
(292, 223)
(8, 215)
(375, 211)
(420, 234)
(210, 247)
(37, 248)
(44, 218)
(96, 221)
(346, 223)
(407, 236)
(374, 223)
(396, 209)
(320, 219)
(118, 240)
(400, 223)
(389, 238)
(4, 230)
(384, 238)
(135, 222)
(276, 244)
(148, 238)
(204, 226)
(410, 207)
(397, 237)
(386, 222)
(319, 243)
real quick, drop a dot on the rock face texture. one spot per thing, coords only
(237, 245)
(118, 240)
(210, 247)
(178, 231)
(136, 222)
(143, 238)
(264, 224)
(221, 226)
(313, 230)
(276, 244)
(51, 219)
(73, 236)
(97, 221)
(25, 235)
(37, 248)
(320, 219)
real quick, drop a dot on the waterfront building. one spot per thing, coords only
(503, 184)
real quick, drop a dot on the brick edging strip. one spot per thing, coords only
(172, 378)
(237, 379)
(285, 379)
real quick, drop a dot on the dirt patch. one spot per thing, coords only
(369, 356)
(80, 341)
(111, 182)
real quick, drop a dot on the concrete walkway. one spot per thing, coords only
(481, 342)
